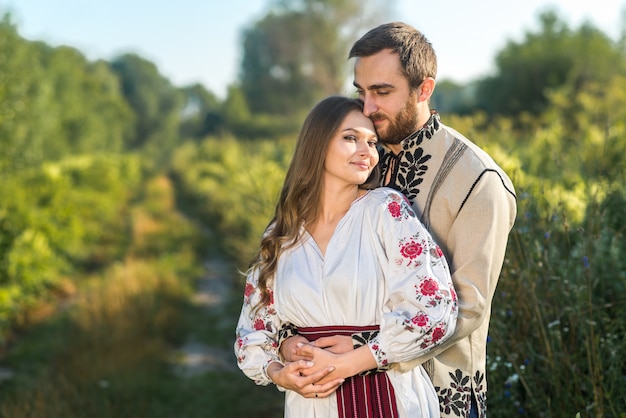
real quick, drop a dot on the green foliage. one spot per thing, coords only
(54, 103)
(244, 125)
(156, 104)
(265, 127)
(554, 57)
(201, 114)
(131, 317)
(232, 186)
(85, 111)
(451, 97)
(61, 216)
(295, 54)
(556, 330)
(125, 319)
(22, 106)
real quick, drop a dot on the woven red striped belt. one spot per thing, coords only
(369, 396)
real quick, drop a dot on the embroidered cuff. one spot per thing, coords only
(266, 365)
(286, 331)
(364, 338)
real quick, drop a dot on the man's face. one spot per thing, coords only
(388, 100)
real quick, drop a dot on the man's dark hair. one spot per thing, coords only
(417, 56)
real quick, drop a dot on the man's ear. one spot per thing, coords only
(426, 89)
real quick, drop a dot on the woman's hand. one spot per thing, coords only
(343, 365)
(291, 376)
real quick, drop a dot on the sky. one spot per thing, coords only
(199, 41)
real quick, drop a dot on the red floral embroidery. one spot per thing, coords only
(248, 290)
(438, 333)
(439, 252)
(421, 319)
(411, 250)
(429, 287)
(259, 324)
(395, 209)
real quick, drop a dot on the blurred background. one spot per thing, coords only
(143, 146)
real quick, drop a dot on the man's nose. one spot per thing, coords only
(369, 106)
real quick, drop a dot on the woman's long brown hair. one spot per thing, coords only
(300, 198)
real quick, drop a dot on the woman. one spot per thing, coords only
(340, 259)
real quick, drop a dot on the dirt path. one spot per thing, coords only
(195, 357)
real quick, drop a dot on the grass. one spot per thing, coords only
(109, 355)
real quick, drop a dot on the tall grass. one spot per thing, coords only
(112, 355)
(117, 329)
(556, 337)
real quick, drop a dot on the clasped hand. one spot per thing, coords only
(312, 369)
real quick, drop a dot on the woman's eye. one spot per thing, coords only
(350, 138)
(372, 143)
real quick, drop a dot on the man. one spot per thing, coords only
(463, 197)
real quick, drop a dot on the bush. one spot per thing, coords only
(61, 217)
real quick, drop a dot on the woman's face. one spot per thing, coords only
(352, 152)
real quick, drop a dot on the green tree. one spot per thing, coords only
(201, 114)
(235, 108)
(86, 110)
(22, 101)
(297, 52)
(54, 102)
(543, 61)
(157, 105)
(451, 97)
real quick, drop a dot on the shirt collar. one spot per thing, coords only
(432, 125)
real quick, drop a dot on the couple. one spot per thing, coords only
(351, 305)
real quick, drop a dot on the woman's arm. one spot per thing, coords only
(256, 344)
(256, 348)
(420, 311)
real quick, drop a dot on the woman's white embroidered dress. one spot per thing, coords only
(381, 267)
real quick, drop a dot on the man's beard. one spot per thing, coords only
(402, 126)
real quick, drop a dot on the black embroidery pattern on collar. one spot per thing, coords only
(409, 166)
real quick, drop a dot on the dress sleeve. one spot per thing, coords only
(256, 345)
(486, 218)
(420, 309)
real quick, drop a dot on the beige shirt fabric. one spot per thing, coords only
(469, 205)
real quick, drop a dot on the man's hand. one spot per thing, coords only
(288, 348)
(343, 365)
(336, 344)
(291, 376)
